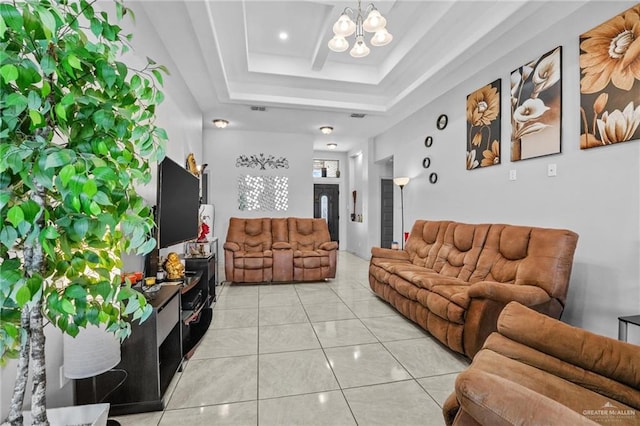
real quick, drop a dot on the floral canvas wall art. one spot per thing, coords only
(609, 87)
(536, 107)
(483, 126)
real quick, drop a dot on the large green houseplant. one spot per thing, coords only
(77, 130)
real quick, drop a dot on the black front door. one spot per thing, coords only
(326, 205)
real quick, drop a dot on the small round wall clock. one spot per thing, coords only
(442, 121)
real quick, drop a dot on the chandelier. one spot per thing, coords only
(344, 27)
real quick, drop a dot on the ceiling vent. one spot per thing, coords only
(258, 108)
(356, 115)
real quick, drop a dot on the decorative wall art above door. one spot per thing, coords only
(483, 126)
(536, 107)
(609, 87)
(262, 162)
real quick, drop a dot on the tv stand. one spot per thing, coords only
(196, 319)
(150, 357)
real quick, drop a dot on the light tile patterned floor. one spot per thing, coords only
(329, 353)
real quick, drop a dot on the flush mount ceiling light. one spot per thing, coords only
(332, 145)
(344, 27)
(326, 130)
(220, 123)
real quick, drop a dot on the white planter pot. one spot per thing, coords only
(92, 414)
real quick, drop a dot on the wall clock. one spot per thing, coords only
(442, 121)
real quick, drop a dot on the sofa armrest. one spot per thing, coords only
(493, 400)
(527, 295)
(389, 253)
(281, 245)
(328, 245)
(231, 246)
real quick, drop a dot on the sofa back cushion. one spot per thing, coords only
(587, 351)
(280, 230)
(306, 234)
(424, 241)
(460, 250)
(252, 235)
(528, 256)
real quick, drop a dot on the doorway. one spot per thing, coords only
(386, 213)
(326, 205)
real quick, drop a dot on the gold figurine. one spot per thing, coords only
(173, 266)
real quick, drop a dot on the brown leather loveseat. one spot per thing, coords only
(537, 370)
(279, 250)
(454, 279)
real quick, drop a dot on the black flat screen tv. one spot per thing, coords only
(178, 204)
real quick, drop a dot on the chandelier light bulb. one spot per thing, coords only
(338, 44)
(344, 26)
(374, 22)
(360, 48)
(381, 38)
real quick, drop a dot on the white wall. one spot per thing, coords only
(596, 192)
(223, 147)
(364, 177)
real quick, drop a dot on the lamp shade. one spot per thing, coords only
(381, 38)
(338, 44)
(344, 26)
(93, 351)
(360, 48)
(374, 22)
(401, 181)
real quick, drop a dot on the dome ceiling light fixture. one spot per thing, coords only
(326, 130)
(220, 123)
(344, 27)
(332, 145)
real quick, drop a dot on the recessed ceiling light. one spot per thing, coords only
(332, 145)
(326, 130)
(283, 35)
(220, 123)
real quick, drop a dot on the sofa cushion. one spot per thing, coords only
(461, 247)
(571, 395)
(439, 301)
(488, 399)
(589, 351)
(424, 241)
(572, 373)
(306, 233)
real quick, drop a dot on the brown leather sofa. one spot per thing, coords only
(453, 279)
(539, 371)
(279, 250)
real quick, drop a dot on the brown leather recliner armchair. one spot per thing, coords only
(248, 255)
(279, 250)
(314, 254)
(537, 370)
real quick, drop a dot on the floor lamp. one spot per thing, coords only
(92, 352)
(402, 182)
